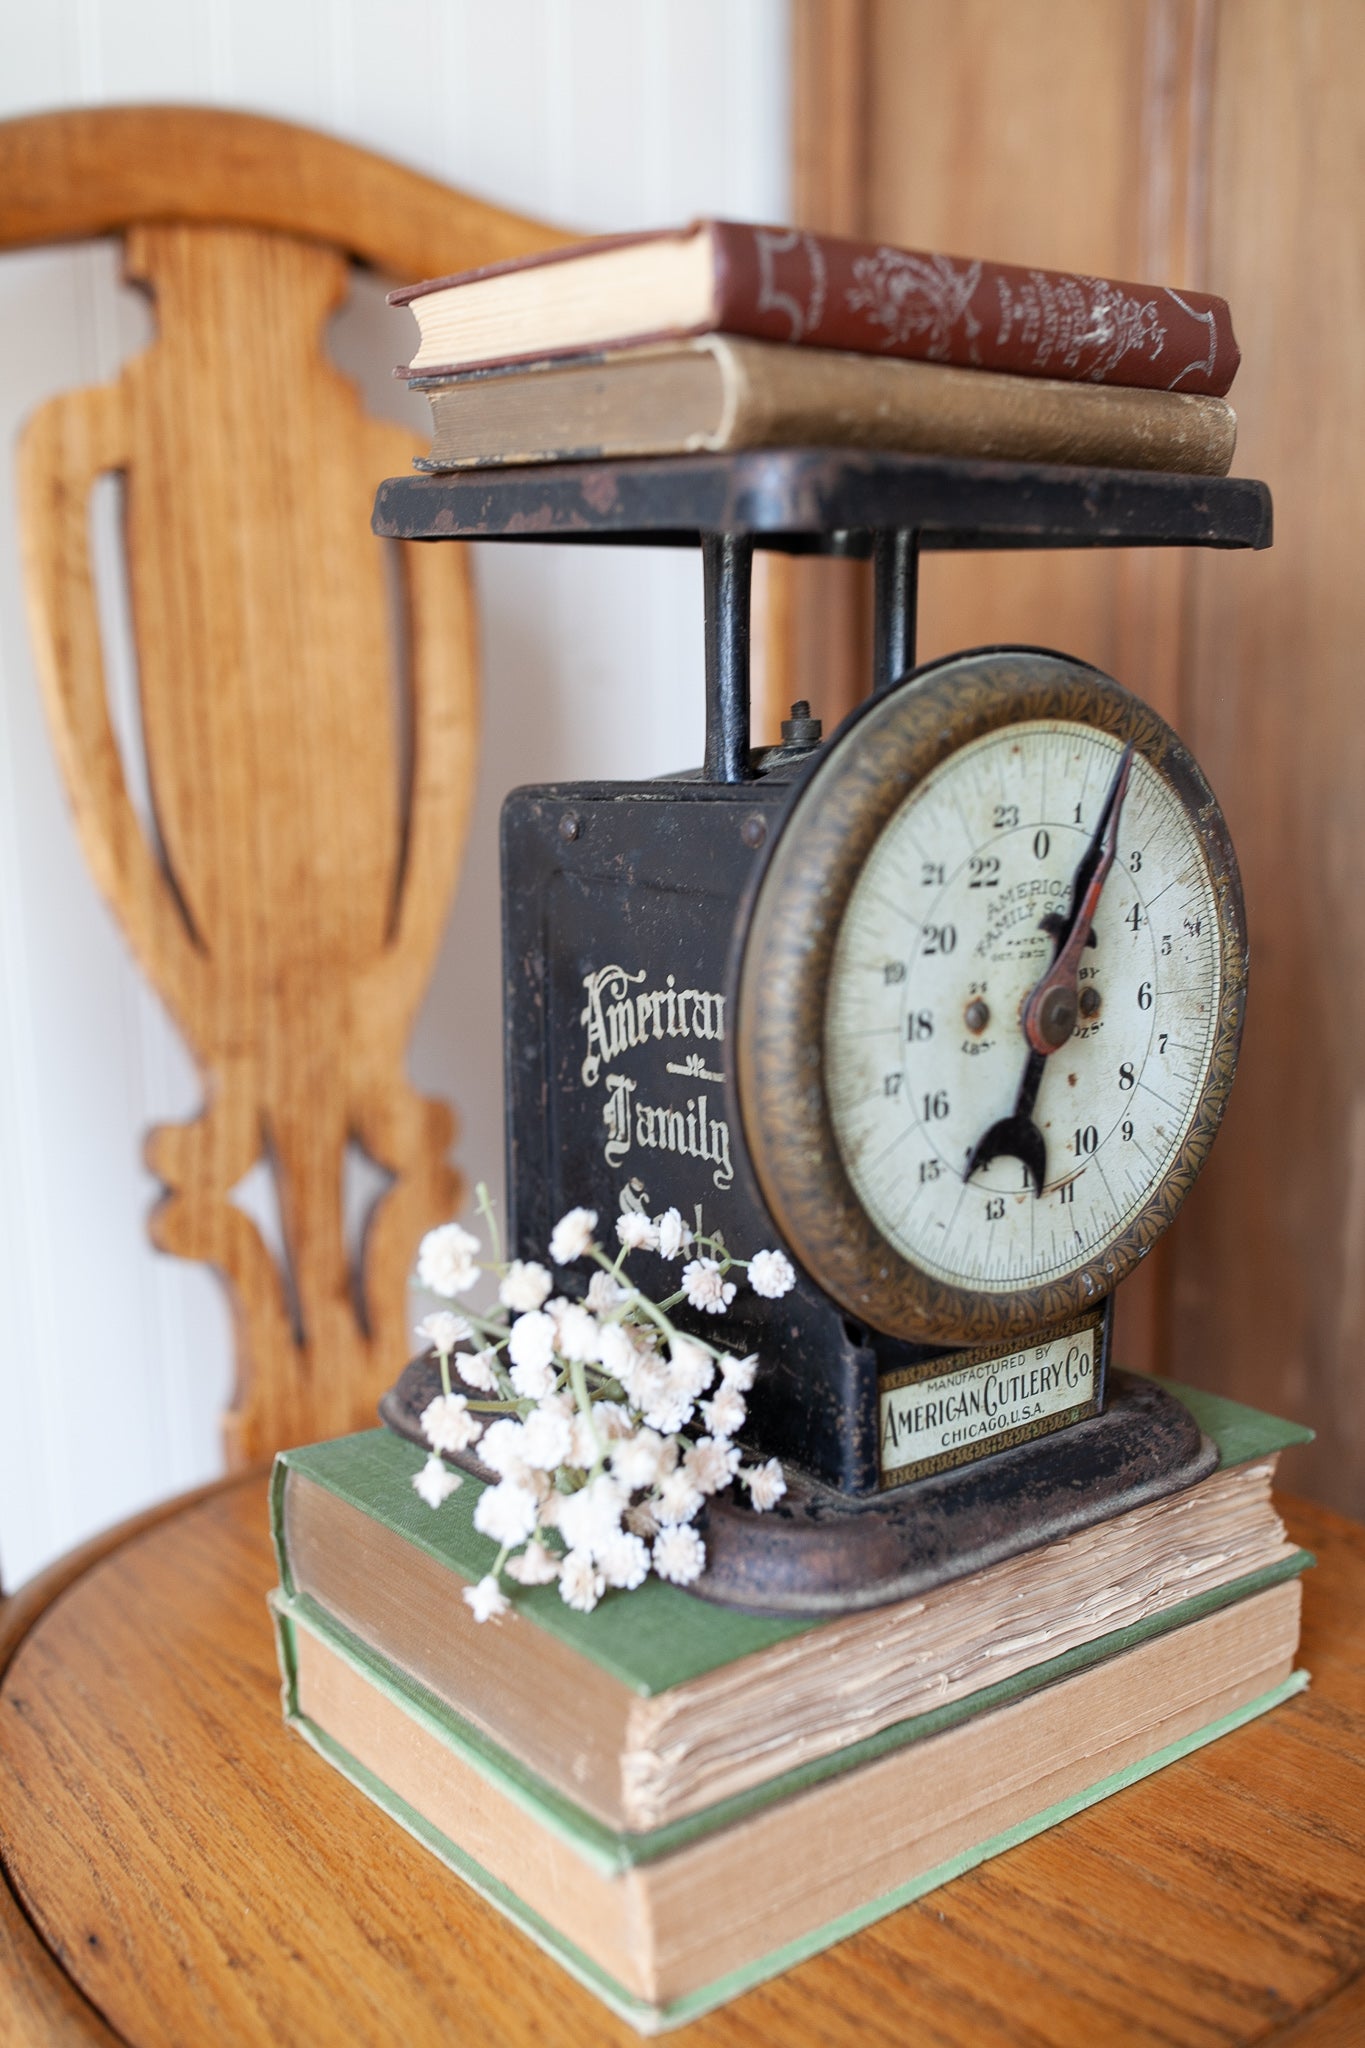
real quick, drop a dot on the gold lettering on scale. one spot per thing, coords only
(620, 1016)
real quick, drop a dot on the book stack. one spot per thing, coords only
(676, 1800)
(722, 337)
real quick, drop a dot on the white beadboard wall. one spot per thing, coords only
(603, 114)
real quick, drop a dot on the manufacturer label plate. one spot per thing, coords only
(931, 1420)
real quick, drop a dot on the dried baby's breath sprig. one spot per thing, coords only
(606, 1425)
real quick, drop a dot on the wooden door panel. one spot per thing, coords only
(1220, 146)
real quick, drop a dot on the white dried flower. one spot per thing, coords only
(547, 1438)
(625, 1562)
(435, 1482)
(766, 1484)
(771, 1273)
(739, 1372)
(642, 1521)
(613, 1421)
(678, 1498)
(691, 1368)
(506, 1512)
(580, 1335)
(591, 1518)
(532, 1339)
(605, 1293)
(636, 1460)
(534, 1566)
(442, 1330)
(710, 1463)
(487, 1599)
(572, 1236)
(679, 1554)
(581, 1585)
(524, 1286)
(533, 1381)
(448, 1425)
(445, 1260)
(724, 1414)
(674, 1236)
(504, 1445)
(619, 1353)
(636, 1232)
(704, 1287)
(477, 1369)
(663, 1406)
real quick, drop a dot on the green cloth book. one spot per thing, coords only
(663, 1932)
(659, 1714)
(675, 1800)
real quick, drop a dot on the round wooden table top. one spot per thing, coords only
(182, 1869)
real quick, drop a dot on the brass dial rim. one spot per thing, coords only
(883, 751)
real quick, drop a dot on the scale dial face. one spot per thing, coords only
(961, 1161)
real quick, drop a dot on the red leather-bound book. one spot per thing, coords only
(788, 285)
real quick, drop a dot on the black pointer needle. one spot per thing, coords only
(1017, 1134)
(1048, 1015)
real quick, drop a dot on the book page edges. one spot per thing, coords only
(616, 1846)
(682, 1822)
(684, 1638)
(694, 2004)
(561, 307)
(569, 252)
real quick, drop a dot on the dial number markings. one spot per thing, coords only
(985, 850)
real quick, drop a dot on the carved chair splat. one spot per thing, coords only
(288, 903)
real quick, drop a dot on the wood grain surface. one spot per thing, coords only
(813, 615)
(1269, 1274)
(201, 1875)
(307, 699)
(99, 170)
(289, 903)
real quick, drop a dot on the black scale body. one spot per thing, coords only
(654, 879)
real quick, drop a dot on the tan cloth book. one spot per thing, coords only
(716, 394)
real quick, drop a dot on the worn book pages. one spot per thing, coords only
(692, 1706)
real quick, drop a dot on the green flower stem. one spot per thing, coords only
(485, 1325)
(658, 1313)
(444, 1357)
(485, 1204)
(583, 1401)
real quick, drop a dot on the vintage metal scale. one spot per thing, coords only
(946, 1004)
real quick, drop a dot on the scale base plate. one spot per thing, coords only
(820, 1552)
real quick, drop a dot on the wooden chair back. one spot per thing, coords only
(288, 902)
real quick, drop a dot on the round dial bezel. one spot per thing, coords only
(885, 750)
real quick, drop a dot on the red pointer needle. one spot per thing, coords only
(1049, 1013)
